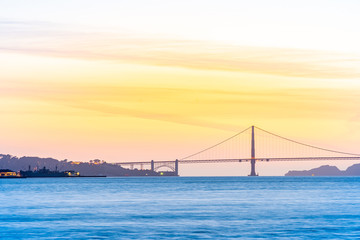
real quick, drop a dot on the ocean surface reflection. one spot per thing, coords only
(180, 208)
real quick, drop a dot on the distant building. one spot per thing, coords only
(75, 163)
(7, 173)
(72, 174)
(97, 161)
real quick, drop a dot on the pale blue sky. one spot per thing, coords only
(322, 25)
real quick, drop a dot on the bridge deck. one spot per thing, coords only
(245, 160)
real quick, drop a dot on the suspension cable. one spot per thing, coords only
(307, 145)
(216, 144)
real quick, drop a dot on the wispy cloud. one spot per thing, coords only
(197, 107)
(56, 41)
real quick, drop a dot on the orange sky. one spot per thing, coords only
(100, 90)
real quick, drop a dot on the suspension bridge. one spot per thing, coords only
(250, 145)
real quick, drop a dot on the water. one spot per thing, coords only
(180, 208)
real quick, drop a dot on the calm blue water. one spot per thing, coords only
(180, 208)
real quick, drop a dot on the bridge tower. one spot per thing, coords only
(253, 160)
(177, 167)
(152, 165)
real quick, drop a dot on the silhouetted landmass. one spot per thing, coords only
(92, 168)
(327, 170)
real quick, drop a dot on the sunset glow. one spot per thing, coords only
(146, 80)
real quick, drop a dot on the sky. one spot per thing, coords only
(141, 80)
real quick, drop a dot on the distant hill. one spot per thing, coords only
(92, 168)
(327, 170)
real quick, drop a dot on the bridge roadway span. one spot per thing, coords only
(173, 165)
(192, 159)
(241, 160)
